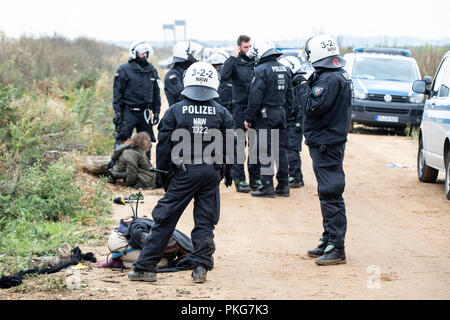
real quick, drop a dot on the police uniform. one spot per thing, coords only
(295, 135)
(225, 94)
(136, 93)
(200, 182)
(240, 71)
(173, 82)
(327, 99)
(271, 91)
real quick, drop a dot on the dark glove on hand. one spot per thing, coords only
(155, 118)
(117, 118)
(298, 78)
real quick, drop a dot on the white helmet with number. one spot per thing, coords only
(262, 49)
(186, 51)
(218, 57)
(201, 82)
(323, 51)
(140, 47)
(291, 62)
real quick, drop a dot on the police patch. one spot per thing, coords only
(317, 91)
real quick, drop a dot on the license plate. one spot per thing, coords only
(386, 119)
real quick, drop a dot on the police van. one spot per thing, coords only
(434, 136)
(382, 81)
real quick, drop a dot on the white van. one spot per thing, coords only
(434, 136)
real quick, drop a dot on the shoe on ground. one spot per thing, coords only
(254, 185)
(142, 275)
(282, 191)
(332, 256)
(296, 182)
(319, 251)
(135, 198)
(199, 274)
(241, 186)
(264, 192)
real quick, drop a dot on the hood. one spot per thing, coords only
(398, 88)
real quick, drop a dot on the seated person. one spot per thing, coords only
(132, 164)
(135, 234)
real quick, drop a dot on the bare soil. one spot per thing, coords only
(397, 241)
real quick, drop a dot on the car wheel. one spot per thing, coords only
(447, 176)
(424, 172)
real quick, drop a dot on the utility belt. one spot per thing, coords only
(138, 108)
(146, 109)
(264, 108)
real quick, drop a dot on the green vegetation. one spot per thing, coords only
(55, 99)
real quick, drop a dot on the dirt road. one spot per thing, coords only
(397, 239)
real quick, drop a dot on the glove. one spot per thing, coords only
(117, 120)
(298, 78)
(155, 118)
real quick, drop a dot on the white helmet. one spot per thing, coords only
(323, 51)
(140, 47)
(201, 82)
(262, 49)
(291, 62)
(186, 51)
(218, 57)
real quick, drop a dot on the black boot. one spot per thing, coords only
(332, 255)
(241, 186)
(142, 275)
(255, 184)
(199, 274)
(296, 182)
(264, 192)
(282, 191)
(317, 252)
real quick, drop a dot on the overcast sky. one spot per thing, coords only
(119, 20)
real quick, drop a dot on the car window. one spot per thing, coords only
(384, 69)
(439, 87)
(444, 90)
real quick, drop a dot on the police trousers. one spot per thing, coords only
(293, 151)
(328, 168)
(237, 171)
(275, 120)
(201, 183)
(134, 119)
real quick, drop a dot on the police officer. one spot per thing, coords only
(185, 53)
(326, 99)
(198, 116)
(270, 94)
(136, 94)
(239, 69)
(217, 59)
(294, 121)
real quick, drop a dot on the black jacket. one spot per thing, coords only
(197, 117)
(139, 230)
(326, 101)
(271, 86)
(240, 71)
(225, 92)
(173, 82)
(136, 86)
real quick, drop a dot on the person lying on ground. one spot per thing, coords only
(134, 233)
